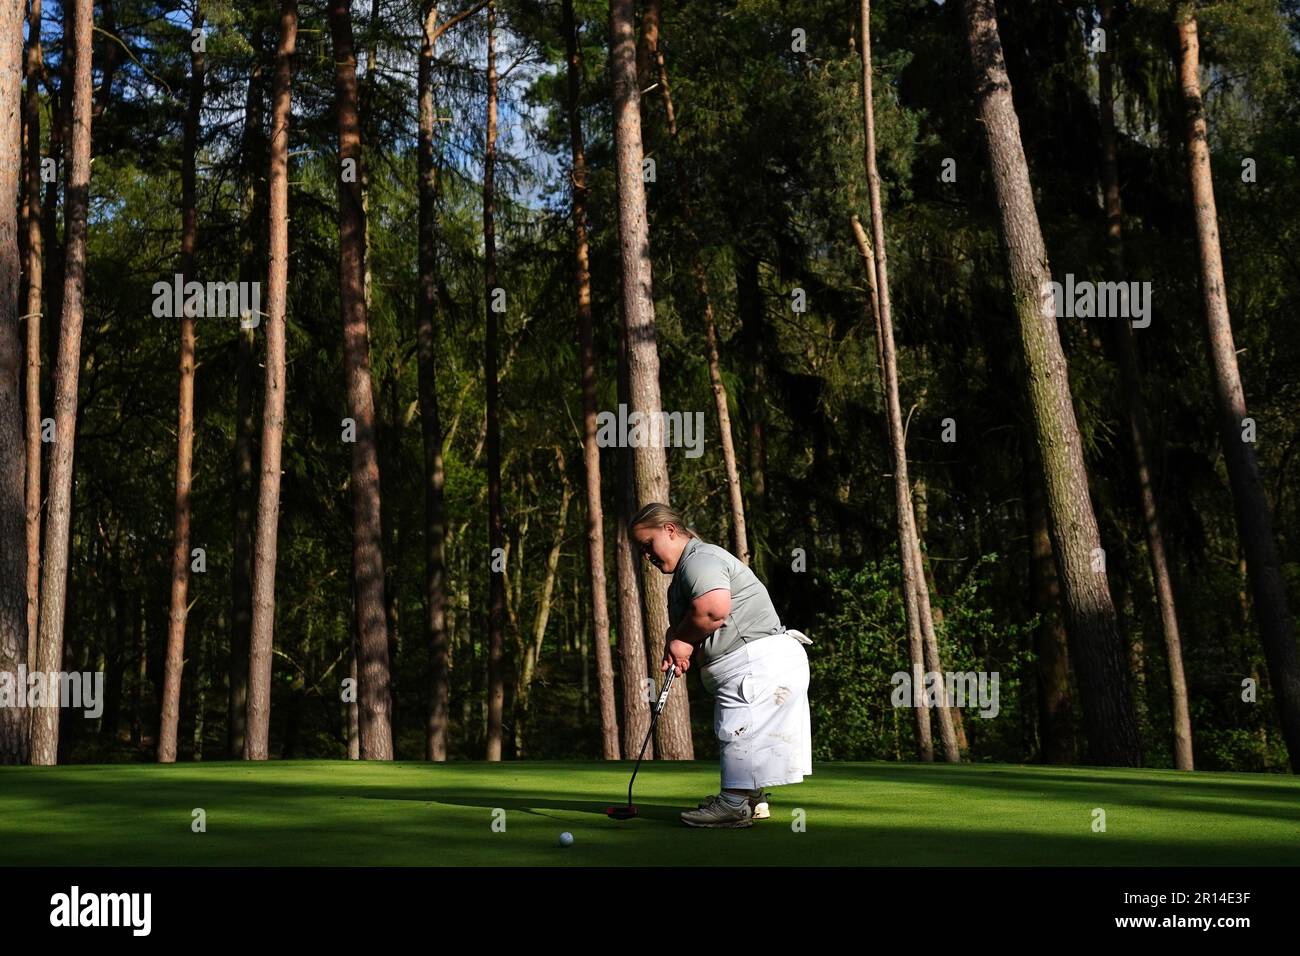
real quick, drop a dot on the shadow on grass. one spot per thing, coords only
(857, 815)
(1263, 800)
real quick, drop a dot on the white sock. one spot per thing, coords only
(735, 800)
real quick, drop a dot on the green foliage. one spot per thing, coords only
(859, 645)
(769, 159)
(863, 644)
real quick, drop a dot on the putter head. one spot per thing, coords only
(621, 813)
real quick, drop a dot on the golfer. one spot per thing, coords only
(757, 670)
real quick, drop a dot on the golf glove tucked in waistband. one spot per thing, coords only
(799, 636)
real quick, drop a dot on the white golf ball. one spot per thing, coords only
(566, 838)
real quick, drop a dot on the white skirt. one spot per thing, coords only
(761, 712)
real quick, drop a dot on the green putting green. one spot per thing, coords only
(854, 814)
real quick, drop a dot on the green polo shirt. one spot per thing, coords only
(706, 567)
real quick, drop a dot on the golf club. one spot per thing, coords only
(629, 811)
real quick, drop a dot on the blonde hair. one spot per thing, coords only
(657, 515)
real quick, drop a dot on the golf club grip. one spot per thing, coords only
(663, 695)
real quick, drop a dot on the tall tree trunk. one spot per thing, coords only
(1090, 615)
(180, 578)
(354, 711)
(23, 209)
(390, 454)
(647, 50)
(533, 650)
(112, 52)
(35, 275)
(590, 450)
(648, 53)
(60, 123)
(435, 511)
(926, 579)
(1135, 646)
(950, 729)
(1138, 429)
(911, 592)
(1051, 651)
(265, 543)
(14, 603)
(1248, 658)
(1254, 520)
(739, 529)
(365, 115)
(631, 617)
(496, 538)
(253, 255)
(908, 546)
(390, 429)
(651, 463)
(54, 582)
(367, 534)
(753, 332)
(514, 589)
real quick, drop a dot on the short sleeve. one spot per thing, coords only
(704, 573)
